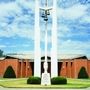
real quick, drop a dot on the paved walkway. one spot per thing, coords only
(1, 88)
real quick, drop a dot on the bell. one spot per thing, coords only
(48, 13)
(43, 16)
(45, 19)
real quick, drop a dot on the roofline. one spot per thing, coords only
(60, 56)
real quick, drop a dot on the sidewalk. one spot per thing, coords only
(1, 88)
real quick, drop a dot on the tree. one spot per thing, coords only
(83, 73)
(9, 73)
(1, 53)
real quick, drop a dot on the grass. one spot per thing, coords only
(22, 83)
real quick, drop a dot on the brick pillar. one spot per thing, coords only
(17, 69)
(75, 69)
(72, 69)
(21, 68)
(69, 69)
(27, 67)
(88, 67)
(64, 69)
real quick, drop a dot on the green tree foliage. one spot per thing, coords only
(9, 73)
(1, 53)
(83, 73)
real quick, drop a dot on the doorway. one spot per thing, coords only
(59, 68)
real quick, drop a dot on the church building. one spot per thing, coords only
(23, 65)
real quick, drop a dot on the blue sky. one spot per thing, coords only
(17, 26)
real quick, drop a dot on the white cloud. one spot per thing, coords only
(73, 47)
(11, 9)
(86, 19)
(74, 12)
(27, 33)
(26, 3)
(26, 30)
(13, 31)
(5, 33)
(24, 52)
(6, 8)
(63, 30)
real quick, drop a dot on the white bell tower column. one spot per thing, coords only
(54, 68)
(37, 60)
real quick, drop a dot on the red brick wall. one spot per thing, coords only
(2, 67)
(8, 62)
(13, 63)
(28, 69)
(22, 69)
(19, 69)
(62, 68)
(68, 68)
(88, 67)
(71, 68)
(78, 64)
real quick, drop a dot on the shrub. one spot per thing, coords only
(83, 73)
(9, 73)
(58, 80)
(34, 80)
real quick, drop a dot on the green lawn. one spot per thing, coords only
(22, 83)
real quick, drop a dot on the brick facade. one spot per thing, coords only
(24, 68)
(71, 68)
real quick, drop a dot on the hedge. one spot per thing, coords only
(58, 80)
(34, 80)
